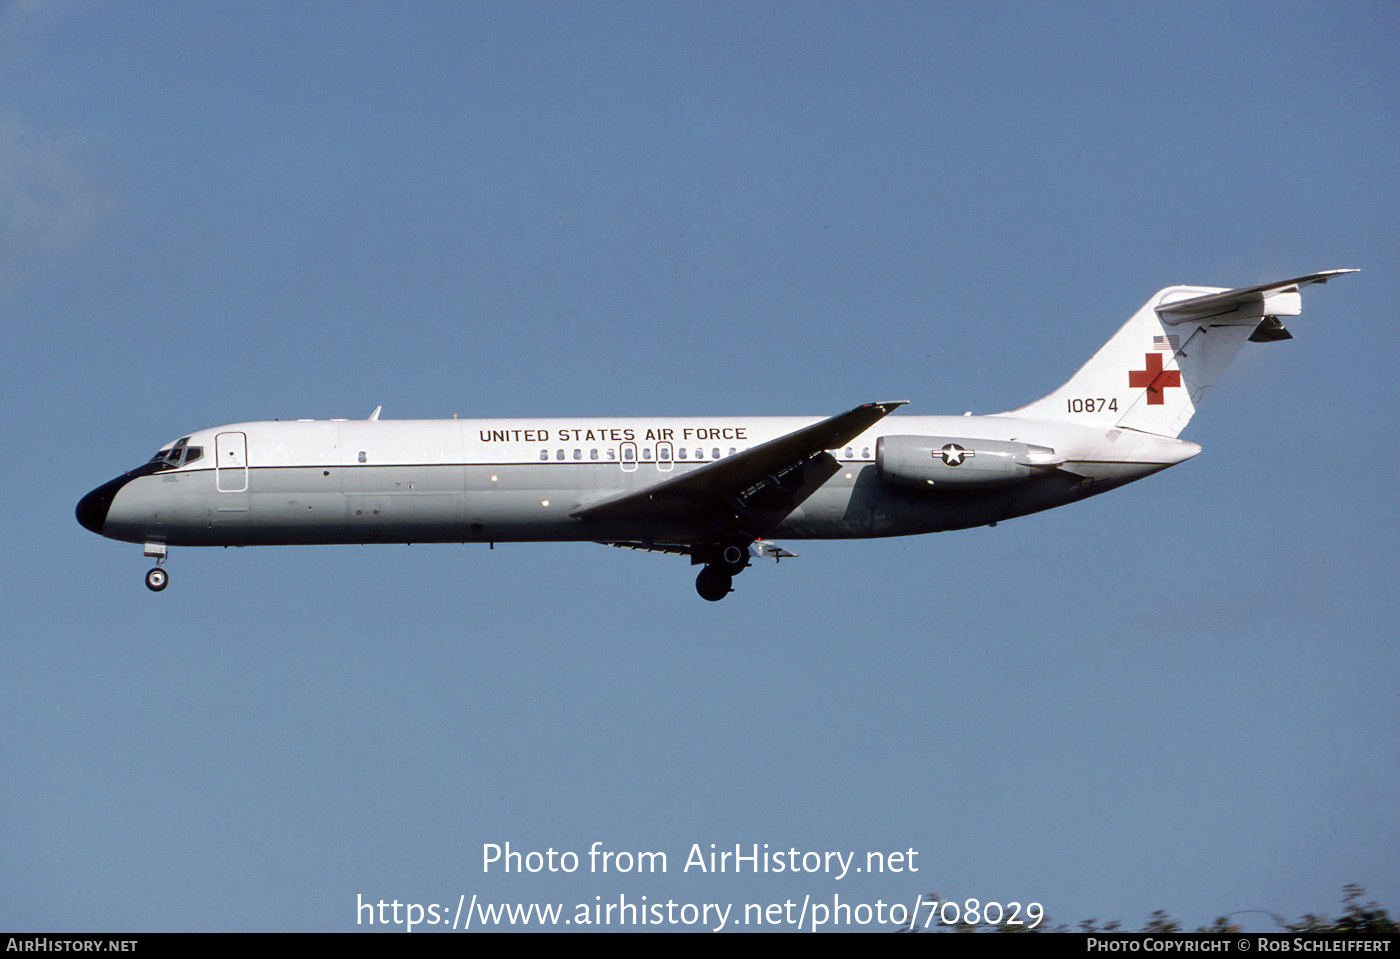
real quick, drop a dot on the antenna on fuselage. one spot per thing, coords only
(375, 414)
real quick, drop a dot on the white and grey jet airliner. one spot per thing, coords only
(716, 489)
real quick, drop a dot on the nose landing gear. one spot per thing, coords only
(157, 578)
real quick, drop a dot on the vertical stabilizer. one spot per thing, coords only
(1157, 369)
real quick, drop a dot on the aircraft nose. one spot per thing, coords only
(92, 508)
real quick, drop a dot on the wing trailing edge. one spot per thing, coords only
(734, 477)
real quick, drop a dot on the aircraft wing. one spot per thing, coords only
(728, 481)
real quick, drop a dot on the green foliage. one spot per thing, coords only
(1357, 918)
(1159, 921)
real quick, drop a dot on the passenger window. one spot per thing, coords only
(865, 453)
(646, 454)
(716, 456)
(849, 452)
(682, 454)
(627, 454)
(612, 455)
(559, 456)
(593, 454)
(544, 456)
(578, 454)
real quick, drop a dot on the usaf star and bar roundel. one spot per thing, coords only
(953, 454)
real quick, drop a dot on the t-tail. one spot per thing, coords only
(1157, 369)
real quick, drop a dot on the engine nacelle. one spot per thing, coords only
(949, 461)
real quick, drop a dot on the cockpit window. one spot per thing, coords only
(178, 455)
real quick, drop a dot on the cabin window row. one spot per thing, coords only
(628, 455)
(663, 454)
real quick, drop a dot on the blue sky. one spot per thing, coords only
(1180, 696)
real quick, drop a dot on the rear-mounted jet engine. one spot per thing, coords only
(924, 461)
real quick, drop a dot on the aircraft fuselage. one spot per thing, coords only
(464, 481)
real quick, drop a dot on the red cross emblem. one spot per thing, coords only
(1154, 378)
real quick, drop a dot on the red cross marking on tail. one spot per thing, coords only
(1154, 378)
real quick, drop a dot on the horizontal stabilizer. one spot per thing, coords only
(1248, 305)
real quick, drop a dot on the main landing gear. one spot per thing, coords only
(157, 578)
(712, 584)
(722, 563)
